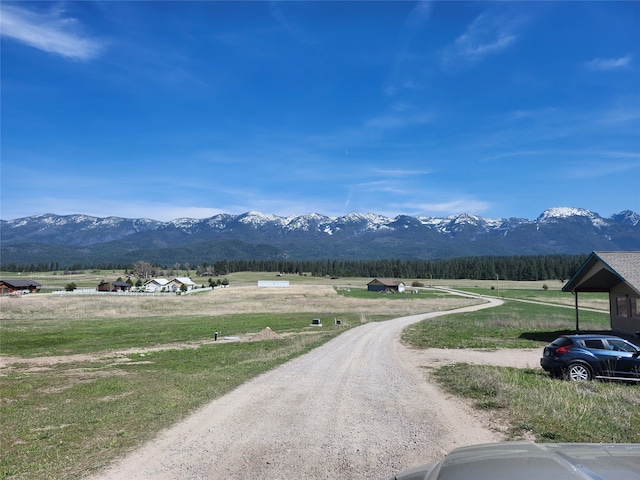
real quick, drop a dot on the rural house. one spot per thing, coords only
(177, 283)
(12, 286)
(117, 286)
(156, 285)
(385, 285)
(617, 273)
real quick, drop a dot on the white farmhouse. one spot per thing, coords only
(156, 285)
(177, 283)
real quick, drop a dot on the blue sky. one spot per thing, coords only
(188, 109)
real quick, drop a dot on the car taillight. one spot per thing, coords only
(563, 350)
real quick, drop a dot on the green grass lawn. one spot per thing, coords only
(549, 295)
(512, 325)
(65, 337)
(533, 405)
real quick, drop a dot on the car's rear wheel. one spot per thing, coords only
(578, 372)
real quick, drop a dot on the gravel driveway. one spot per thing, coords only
(356, 407)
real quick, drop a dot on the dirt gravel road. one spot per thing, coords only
(357, 407)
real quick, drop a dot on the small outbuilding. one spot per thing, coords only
(385, 285)
(273, 283)
(617, 273)
(19, 286)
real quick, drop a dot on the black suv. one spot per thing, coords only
(584, 357)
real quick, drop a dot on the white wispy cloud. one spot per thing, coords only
(487, 34)
(50, 32)
(609, 63)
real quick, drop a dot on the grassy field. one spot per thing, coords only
(513, 325)
(598, 301)
(84, 379)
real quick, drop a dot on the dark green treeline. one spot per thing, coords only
(544, 267)
(537, 267)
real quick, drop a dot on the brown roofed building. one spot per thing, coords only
(13, 286)
(619, 274)
(385, 285)
(117, 286)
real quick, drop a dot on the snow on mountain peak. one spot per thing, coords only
(565, 212)
(577, 224)
(628, 217)
(465, 219)
(184, 223)
(257, 219)
(307, 222)
(554, 214)
(370, 218)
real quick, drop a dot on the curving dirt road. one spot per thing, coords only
(357, 407)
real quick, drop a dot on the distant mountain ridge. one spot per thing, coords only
(255, 235)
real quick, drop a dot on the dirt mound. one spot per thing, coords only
(265, 334)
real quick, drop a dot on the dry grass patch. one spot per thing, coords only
(223, 301)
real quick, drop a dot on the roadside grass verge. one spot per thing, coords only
(512, 325)
(531, 403)
(67, 420)
(538, 407)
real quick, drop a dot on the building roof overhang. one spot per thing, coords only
(603, 271)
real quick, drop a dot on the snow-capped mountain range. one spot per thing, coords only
(313, 236)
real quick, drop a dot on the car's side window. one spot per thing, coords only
(597, 344)
(620, 346)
